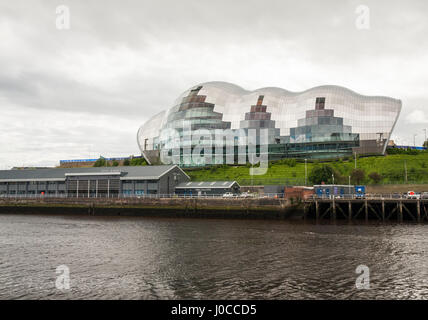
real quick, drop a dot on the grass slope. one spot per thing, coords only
(288, 171)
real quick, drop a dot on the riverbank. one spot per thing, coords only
(394, 169)
(263, 208)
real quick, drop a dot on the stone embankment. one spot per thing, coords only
(260, 208)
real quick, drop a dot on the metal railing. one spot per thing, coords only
(369, 196)
(372, 196)
(145, 196)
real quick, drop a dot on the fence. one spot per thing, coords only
(146, 196)
(374, 196)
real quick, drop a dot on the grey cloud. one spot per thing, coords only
(123, 61)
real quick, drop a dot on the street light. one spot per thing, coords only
(349, 184)
(355, 160)
(306, 172)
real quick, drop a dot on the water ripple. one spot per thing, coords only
(136, 258)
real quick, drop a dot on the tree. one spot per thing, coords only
(115, 163)
(376, 177)
(101, 162)
(138, 162)
(321, 174)
(126, 162)
(425, 145)
(339, 178)
(358, 175)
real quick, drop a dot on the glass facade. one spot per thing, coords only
(322, 122)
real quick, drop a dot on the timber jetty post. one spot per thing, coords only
(349, 210)
(418, 210)
(371, 208)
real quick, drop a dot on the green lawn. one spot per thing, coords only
(391, 167)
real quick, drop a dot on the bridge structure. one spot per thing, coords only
(374, 207)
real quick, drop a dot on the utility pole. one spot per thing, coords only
(355, 160)
(405, 171)
(414, 140)
(306, 172)
(425, 135)
(349, 184)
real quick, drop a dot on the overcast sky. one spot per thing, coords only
(84, 92)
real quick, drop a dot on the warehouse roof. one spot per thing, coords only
(206, 184)
(59, 174)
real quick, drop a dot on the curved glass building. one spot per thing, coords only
(322, 122)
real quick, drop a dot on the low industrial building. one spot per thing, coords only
(298, 192)
(207, 188)
(327, 190)
(274, 190)
(92, 182)
(282, 191)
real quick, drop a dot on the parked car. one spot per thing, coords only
(413, 195)
(424, 195)
(228, 195)
(246, 195)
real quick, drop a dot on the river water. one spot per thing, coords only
(142, 258)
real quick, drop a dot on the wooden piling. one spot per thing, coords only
(418, 210)
(317, 210)
(366, 207)
(400, 212)
(333, 212)
(383, 210)
(349, 210)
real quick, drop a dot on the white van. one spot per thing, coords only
(413, 195)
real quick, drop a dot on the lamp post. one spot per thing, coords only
(349, 185)
(306, 172)
(355, 160)
(405, 171)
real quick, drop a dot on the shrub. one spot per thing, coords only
(358, 175)
(321, 174)
(101, 162)
(375, 177)
(291, 162)
(138, 162)
(339, 178)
